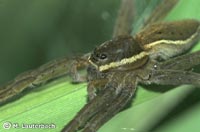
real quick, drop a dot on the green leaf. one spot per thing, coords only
(55, 103)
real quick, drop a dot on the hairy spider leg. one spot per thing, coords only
(172, 71)
(41, 75)
(89, 110)
(174, 77)
(79, 63)
(164, 7)
(154, 14)
(123, 94)
(124, 19)
(103, 100)
(183, 62)
(16, 86)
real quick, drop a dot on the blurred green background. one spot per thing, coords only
(34, 32)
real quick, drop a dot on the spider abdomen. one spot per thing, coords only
(169, 39)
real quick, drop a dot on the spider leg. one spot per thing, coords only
(183, 62)
(41, 75)
(174, 77)
(150, 12)
(16, 86)
(89, 110)
(101, 101)
(79, 63)
(124, 19)
(160, 11)
(65, 66)
(127, 90)
(128, 14)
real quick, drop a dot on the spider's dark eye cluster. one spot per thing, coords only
(101, 56)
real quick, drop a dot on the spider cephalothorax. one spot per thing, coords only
(116, 53)
(161, 40)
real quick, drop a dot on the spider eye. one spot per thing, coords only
(102, 56)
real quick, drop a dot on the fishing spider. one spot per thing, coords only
(116, 67)
(113, 74)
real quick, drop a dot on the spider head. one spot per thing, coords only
(109, 54)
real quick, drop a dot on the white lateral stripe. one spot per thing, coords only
(123, 61)
(175, 42)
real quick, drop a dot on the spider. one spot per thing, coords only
(114, 74)
(116, 67)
